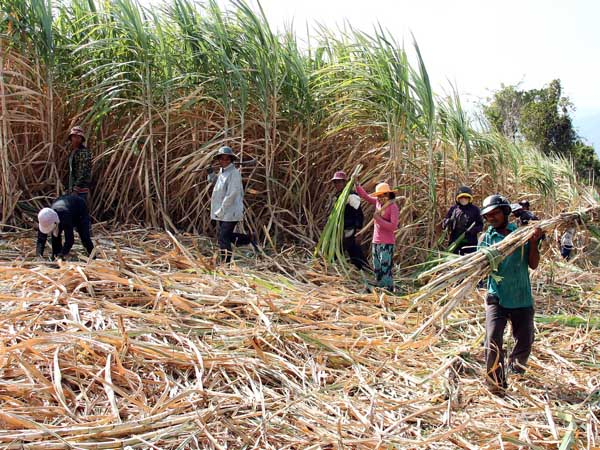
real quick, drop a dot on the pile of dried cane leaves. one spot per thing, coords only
(151, 346)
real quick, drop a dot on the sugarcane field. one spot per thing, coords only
(215, 234)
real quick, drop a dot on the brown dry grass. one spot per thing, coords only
(150, 346)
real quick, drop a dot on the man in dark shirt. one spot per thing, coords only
(67, 213)
(522, 213)
(80, 164)
(353, 221)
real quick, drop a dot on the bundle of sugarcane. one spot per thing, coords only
(330, 245)
(459, 276)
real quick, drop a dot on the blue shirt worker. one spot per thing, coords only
(509, 296)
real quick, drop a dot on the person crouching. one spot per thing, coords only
(67, 213)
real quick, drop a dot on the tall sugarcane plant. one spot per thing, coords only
(158, 89)
(330, 245)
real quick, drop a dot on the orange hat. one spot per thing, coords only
(380, 189)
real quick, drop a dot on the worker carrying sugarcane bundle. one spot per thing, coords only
(353, 220)
(463, 221)
(66, 214)
(227, 203)
(508, 296)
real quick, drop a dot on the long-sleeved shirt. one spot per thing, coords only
(567, 238)
(227, 201)
(525, 216)
(72, 213)
(353, 213)
(459, 218)
(385, 224)
(80, 169)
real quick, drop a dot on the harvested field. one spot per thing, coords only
(151, 346)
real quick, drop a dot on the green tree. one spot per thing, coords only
(542, 118)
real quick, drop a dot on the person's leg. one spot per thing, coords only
(355, 252)
(239, 239)
(375, 250)
(565, 252)
(225, 237)
(495, 323)
(84, 230)
(523, 332)
(386, 261)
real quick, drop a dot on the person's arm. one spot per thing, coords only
(69, 240)
(476, 229)
(234, 189)
(392, 224)
(211, 176)
(366, 197)
(446, 220)
(56, 245)
(40, 244)
(534, 252)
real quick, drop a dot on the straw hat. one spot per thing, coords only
(381, 189)
(339, 175)
(77, 131)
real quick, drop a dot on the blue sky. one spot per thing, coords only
(479, 44)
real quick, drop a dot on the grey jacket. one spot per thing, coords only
(227, 202)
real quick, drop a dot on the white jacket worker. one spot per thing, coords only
(227, 202)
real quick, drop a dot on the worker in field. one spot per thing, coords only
(66, 214)
(385, 224)
(566, 242)
(463, 221)
(227, 203)
(353, 220)
(522, 213)
(80, 164)
(509, 296)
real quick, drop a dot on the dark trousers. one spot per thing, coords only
(355, 252)
(565, 251)
(226, 237)
(521, 320)
(84, 230)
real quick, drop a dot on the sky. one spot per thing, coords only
(477, 45)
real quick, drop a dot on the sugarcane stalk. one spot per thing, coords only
(330, 244)
(461, 274)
